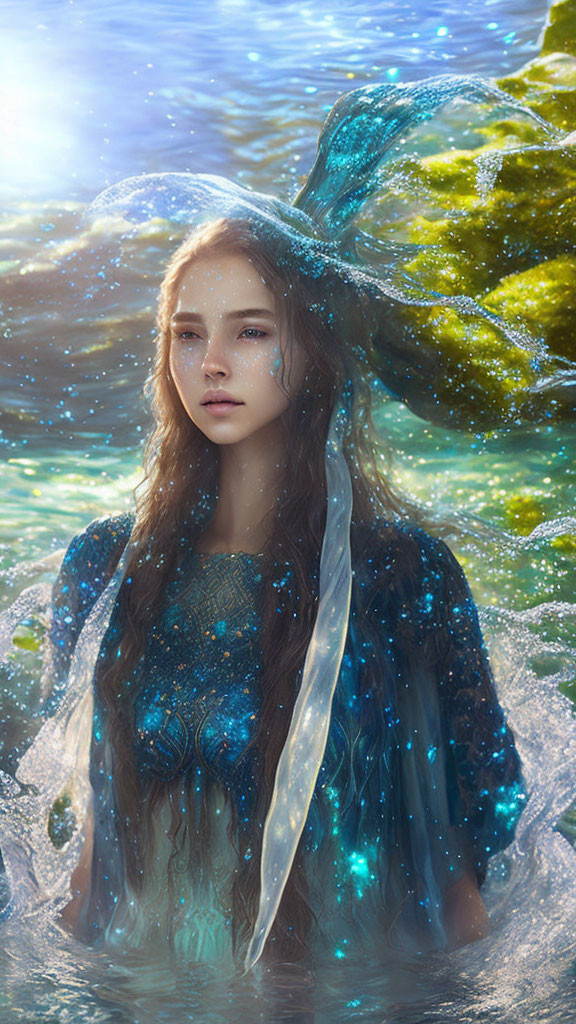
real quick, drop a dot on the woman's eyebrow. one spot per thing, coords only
(237, 314)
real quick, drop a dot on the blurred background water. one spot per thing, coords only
(92, 93)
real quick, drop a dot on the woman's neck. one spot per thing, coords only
(250, 478)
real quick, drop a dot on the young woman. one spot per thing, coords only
(418, 781)
(272, 726)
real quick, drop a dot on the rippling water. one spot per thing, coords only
(93, 93)
(96, 92)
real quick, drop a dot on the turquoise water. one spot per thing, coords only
(91, 94)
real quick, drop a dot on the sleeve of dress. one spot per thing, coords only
(486, 787)
(87, 566)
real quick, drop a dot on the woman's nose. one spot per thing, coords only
(215, 362)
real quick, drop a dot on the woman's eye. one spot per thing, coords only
(254, 332)
(186, 335)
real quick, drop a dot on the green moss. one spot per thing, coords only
(511, 249)
(524, 512)
(28, 636)
(544, 297)
(560, 33)
(529, 211)
(566, 544)
(548, 86)
(448, 176)
(61, 821)
(481, 380)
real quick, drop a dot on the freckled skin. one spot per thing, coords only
(243, 357)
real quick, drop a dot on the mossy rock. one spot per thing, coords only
(510, 242)
(481, 381)
(548, 86)
(498, 224)
(528, 214)
(560, 32)
(544, 297)
(446, 178)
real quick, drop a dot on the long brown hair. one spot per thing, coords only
(175, 501)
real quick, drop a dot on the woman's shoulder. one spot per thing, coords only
(89, 562)
(93, 549)
(399, 545)
(400, 565)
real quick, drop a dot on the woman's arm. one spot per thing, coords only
(487, 792)
(87, 567)
(80, 879)
(465, 916)
(441, 700)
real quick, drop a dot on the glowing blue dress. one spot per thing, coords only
(420, 779)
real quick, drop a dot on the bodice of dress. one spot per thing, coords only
(197, 685)
(195, 714)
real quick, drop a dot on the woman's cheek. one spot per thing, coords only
(187, 360)
(185, 369)
(184, 375)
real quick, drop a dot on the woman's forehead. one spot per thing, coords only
(223, 280)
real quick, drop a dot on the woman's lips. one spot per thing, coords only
(220, 408)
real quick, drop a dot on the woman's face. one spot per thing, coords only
(225, 343)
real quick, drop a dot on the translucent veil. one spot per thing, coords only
(318, 233)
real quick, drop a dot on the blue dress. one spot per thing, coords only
(420, 780)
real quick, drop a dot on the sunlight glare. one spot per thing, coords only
(36, 138)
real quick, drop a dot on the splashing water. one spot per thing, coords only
(523, 970)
